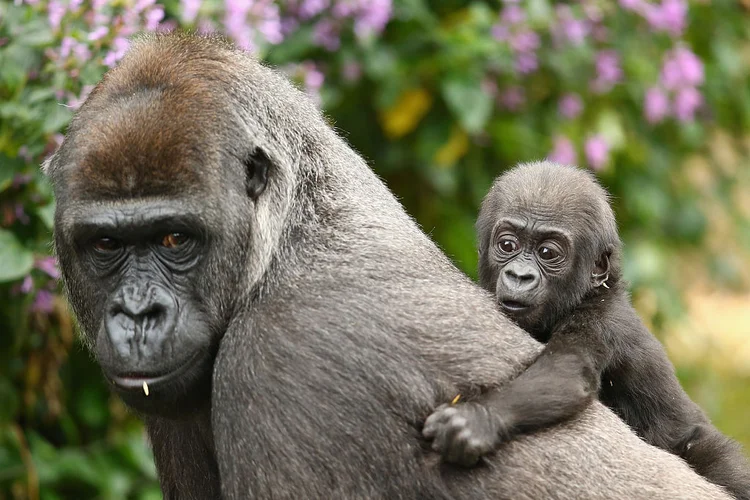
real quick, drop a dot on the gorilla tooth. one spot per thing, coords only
(145, 388)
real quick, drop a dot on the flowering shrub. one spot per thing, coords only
(440, 96)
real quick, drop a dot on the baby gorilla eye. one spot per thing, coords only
(547, 252)
(173, 240)
(107, 244)
(508, 244)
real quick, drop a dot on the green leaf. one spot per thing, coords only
(47, 214)
(15, 260)
(468, 101)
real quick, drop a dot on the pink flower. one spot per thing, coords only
(190, 9)
(153, 17)
(655, 105)
(512, 98)
(119, 47)
(513, 14)
(326, 35)
(563, 151)
(570, 106)
(597, 151)
(351, 71)
(43, 302)
(55, 12)
(608, 71)
(27, 285)
(98, 33)
(686, 103)
(500, 32)
(631, 4)
(311, 8)
(526, 63)
(525, 41)
(49, 266)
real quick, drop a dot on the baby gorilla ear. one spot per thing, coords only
(600, 275)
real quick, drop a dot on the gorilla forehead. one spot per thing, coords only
(151, 128)
(557, 194)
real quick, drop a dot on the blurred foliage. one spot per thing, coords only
(652, 95)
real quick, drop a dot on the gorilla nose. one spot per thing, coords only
(520, 278)
(140, 318)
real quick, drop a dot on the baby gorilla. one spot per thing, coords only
(550, 253)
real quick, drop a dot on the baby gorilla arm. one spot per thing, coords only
(558, 385)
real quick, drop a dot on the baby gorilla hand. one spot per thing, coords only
(462, 433)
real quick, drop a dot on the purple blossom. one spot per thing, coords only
(82, 52)
(525, 41)
(311, 8)
(74, 102)
(98, 33)
(49, 266)
(314, 78)
(655, 105)
(326, 35)
(635, 5)
(43, 302)
(570, 106)
(190, 9)
(141, 5)
(681, 68)
(608, 71)
(119, 47)
(597, 151)
(500, 32)
(669, 16)
(512, 98)
(563, 151)
(66, 46)
(55, 12)
(570, 28)
(526, 63)
(372, 17)
(27, 285)
(153, 17)
(686, 103)
(513, 14)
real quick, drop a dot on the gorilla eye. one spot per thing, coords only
(508, 244)
(107, 244)
(173, 240)
(548, 252)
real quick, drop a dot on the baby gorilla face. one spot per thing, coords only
(531, 262)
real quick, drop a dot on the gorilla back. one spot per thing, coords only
(253, 290)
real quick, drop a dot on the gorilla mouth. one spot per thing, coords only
(134, 381)
(513, 306)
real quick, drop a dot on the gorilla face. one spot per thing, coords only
(151, 336)
(544, 244)
(154, 226)
(533, 267)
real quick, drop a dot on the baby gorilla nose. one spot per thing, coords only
(140, 320)
(519, 277)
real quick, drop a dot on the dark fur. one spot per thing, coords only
(596, 343)
(337, 325)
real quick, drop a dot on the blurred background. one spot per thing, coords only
(439, 96)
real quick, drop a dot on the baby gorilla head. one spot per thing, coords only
(547, 236)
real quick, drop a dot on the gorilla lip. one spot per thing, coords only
(513, 306)
(137, 381)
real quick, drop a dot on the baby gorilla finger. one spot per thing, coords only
(439, 417)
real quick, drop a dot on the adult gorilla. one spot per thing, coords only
(252, 288)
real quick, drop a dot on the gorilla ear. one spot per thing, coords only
(257, 165)
(601, 270)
